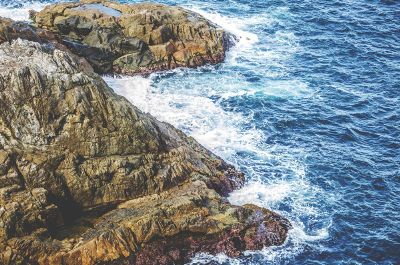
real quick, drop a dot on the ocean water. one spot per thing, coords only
(307, 104)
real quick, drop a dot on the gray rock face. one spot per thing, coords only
(85, 177)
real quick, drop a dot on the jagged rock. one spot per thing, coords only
(87, 178)
(135, 38)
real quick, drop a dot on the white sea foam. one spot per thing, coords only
(303, 197)
(236, 26)
(204, 258)
(21, 13)
(197, 115)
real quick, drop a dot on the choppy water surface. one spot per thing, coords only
(307, 104)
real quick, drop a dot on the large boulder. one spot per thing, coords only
(135, 38)
(87, 178)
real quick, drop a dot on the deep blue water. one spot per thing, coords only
(307, 104)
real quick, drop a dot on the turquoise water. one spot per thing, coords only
(307, 104)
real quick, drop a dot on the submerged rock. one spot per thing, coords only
(87, 178)
(135, 38)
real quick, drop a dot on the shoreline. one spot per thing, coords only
(206, 222)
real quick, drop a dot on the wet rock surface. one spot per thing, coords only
(135, 38)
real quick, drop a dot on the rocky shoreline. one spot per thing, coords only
(85, 176)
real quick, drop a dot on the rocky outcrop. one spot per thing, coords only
(135, 38)
(86, 178)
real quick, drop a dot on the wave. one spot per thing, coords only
(195, 114)
(20, 11)
(246, 39)
(295, 199)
